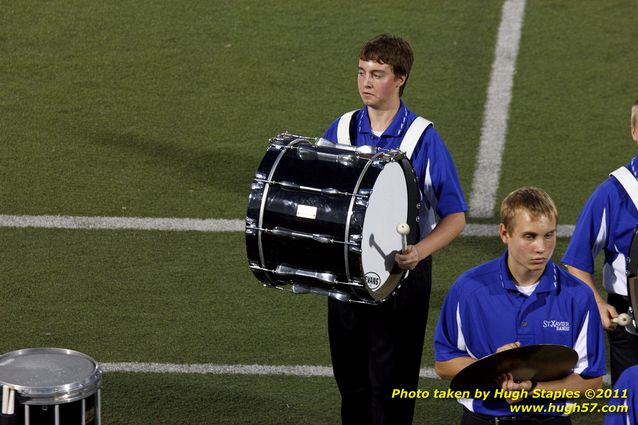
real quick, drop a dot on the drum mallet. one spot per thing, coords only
(403, 229)
(622, 319)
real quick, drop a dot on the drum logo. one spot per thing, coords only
(373, 281)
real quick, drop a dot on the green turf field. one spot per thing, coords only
(164, 109)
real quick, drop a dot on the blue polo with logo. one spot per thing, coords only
(484, 311)
(625, 393)
(606, 223)
(438, 180)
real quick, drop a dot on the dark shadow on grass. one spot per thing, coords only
(218, 166)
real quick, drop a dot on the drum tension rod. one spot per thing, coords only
(325, 191)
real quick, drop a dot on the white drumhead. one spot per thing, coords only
(50, 375)
(387, 207)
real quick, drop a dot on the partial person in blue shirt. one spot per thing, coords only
(520, 299)
(606, 223)
(624, 398)
(377, 348)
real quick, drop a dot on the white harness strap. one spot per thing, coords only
(343, 128)
(411, 138)
(628, 182)
(413, 135)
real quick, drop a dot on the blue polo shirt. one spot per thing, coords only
(628, 381)
(484, 311)
(606, 223)
(438, 180)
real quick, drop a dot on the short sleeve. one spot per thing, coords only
(448, 335)
(590, 343)
(591, 231)
(331, 132)
(438, 176)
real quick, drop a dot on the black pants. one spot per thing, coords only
(376, 349)
(470, 418)
(623, 346)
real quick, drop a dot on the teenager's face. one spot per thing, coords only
(378, 86)
(530, 243)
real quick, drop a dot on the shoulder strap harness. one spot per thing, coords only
(410, 140)
(628, 182)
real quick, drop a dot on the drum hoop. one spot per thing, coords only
(65, 393)
(264, 198)
(346, 236)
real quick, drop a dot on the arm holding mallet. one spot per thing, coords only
(448, 228)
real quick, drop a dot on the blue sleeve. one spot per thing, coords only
(591, 231)
(446, 334)
(438, 177)
(627, 385)
(590, 344)
(331, 132)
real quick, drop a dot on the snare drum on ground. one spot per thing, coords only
(322, 218)
(52, 386)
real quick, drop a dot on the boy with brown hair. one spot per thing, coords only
(378, 348)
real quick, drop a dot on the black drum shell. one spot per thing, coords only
(69, 413)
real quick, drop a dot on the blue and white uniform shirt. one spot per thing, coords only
(607, 222)
(438, 180)
(484, 311)
(625, 393)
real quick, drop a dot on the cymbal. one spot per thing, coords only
(541, 362)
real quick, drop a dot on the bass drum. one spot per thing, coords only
(322, 218)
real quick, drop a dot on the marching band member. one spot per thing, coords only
(376, 349)
(625, 393)
(606, 223)
(520, 299)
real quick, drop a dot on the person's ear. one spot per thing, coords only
(400, 80)
(502, 232)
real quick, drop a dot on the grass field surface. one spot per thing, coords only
(164, 109)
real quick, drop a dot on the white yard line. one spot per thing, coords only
(238, 369)
(119, 223)
(210, 225)
(221, 369)
(499, 94)
(217, 369)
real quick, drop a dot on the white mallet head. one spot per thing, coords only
(403, 229)
(622, 319)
